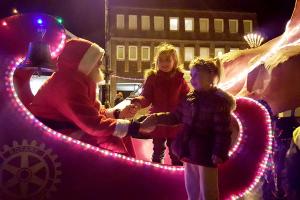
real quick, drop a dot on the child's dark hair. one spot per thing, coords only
(212, 66)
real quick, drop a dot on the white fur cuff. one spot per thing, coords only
(121, 128)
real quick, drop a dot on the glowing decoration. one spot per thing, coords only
(280, 44)
(15, 11)
(39, 21)
(254, 40)
(59, 20)
(238, 142)
(4, 23)
(55, 51)
(268, 152)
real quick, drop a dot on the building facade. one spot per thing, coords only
(134, 34)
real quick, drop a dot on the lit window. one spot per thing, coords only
(120, 22)
(145, 23)
(177, 50)
(188, 53)
(204, 52)
(132, 53)
(174, 23)
(159, 23)
(204, 25)
(234, 49)
(120, 52)
(219, 51)
(247, 26)
(233, 26)
(145, 53)
(189, 24)
(219, 25)
(132, 22)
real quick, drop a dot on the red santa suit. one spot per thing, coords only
(67, 101)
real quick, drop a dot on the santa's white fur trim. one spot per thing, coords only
(90, 58)
(121, 128)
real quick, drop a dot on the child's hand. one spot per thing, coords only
(137, 105)
(128, 112)
(149, 124)
(216, 159)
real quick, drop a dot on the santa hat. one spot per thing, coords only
(80, 54)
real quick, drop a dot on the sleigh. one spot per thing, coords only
(37, 162)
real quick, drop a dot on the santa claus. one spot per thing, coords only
(67, 101)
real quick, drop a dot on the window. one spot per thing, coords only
(120, 22)
(204, 52)
(204, 25)
(132, 22)
(132, 53)
(219, 25)
(219, 51)
(174, 24)
(189, 24)
(159, 23)
(145, 51)
(188, 53)
(233, 26)
(145, 23)
(177, 50)
(247, 26)
(120, 52)
(234, 49)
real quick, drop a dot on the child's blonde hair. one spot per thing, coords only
(210, 65)
(164, 49)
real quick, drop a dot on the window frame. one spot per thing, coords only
(236, 26)
(136, 53)
(204, 19)
(193, 24)
(117, 49)
(148, 49)
(219, 19)
(123, 21)
(163, 22)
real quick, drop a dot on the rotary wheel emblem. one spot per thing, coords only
(28, 171)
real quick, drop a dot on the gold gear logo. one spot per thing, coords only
(28, 171)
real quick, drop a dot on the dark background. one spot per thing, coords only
(85, 18)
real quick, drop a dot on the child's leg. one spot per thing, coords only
(208, 181)
(191, 179)
(174, 159)
(159, 147)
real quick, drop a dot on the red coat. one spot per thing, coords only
(164, 91)
(70, 96)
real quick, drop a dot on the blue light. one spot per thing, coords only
(40, 21)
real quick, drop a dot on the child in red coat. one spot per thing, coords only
(164, 88)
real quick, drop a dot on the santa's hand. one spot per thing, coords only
(149, 124)
(128, 112)
(216, 160)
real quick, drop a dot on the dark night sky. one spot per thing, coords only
(85, 18)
